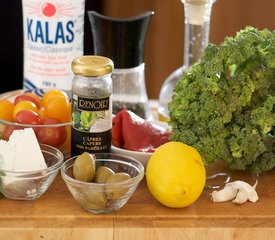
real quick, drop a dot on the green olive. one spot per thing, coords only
(94, 200)
(84, 167)
(111, 191)
(102, 173)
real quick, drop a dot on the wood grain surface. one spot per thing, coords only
(57, 216)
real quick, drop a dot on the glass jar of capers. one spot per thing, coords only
(91, 104)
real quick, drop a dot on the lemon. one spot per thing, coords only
(175, 174)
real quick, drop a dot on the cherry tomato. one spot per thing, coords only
(52, 94)
(24, 105)
(23, 97)
(37, 98)
(59, 108)
(8, 131)
(6, 109)
(66, 146)
(54, 136)
(27, 117)
(42, 113)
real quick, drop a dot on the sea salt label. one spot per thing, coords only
(53, 37)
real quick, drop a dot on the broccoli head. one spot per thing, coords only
(225, 104)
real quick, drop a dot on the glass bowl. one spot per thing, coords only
(100, 198)
(31, 185)
(57, 135)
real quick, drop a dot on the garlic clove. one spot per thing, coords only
(241, 197)
(226, 194)
(249, 190)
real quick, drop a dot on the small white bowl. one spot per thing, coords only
(142, 157)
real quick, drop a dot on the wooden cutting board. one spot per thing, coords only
(56, 216)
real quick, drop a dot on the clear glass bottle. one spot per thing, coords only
(129, 91)
(196, 37)
(91, 105)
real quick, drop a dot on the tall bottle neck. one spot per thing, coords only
(197, 28)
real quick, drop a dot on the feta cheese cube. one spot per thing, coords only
(22, 152)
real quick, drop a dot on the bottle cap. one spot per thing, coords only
(92, 66)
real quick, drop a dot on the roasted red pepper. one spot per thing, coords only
(131, 132)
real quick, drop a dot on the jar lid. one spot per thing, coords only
(92, 66)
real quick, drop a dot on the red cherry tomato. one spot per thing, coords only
(27, 97)
(54, 136)
(23, 105)
(36, 97)
(8, 131)
(27, 117)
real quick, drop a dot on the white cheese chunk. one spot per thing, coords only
(6, 156)
(22, 152)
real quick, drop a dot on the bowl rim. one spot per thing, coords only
(15, 124)
(38, 91)
(125, 151)
(127, 183)
(54, 167)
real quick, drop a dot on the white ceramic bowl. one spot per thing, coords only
(142, 157)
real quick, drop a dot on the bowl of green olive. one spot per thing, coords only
(102, 182)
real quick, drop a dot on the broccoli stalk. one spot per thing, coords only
(225, 105)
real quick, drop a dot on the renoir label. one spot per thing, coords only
(53, 37)
(91, 124)
(93, 104)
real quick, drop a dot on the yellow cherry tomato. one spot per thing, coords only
(59, 108)
(52, 94)
(42, 113)
(23, 105)
(66, 146)
(6, 109)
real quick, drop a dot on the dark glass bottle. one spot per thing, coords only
(122, 40)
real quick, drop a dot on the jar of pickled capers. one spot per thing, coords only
(91, 104)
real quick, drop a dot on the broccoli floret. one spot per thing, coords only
(225, 105)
